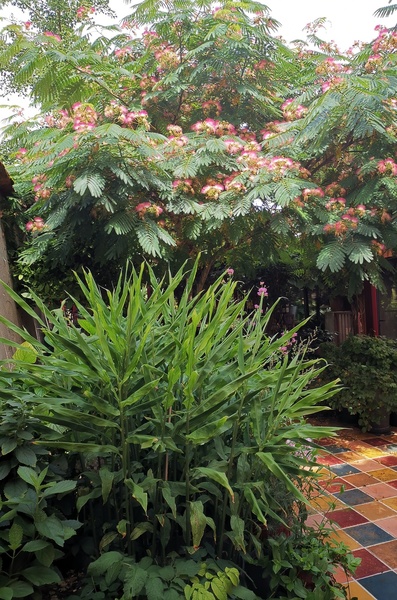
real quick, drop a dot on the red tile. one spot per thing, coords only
(388, 461)
(328, 459)
(346, 517)
(370, 565)
(377, 441)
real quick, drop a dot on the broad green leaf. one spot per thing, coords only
(35, 545)
(15, 536)
(99, 566)
(26, 353)
(61, 487)
(20, 589)
(138, 493)
(140, 529)
(134, 581)
(154, 588)
(26, 455)
(30, 476)
(51, 527)
(46, 556)
(107, 479)
(238, 529)
(41, 575)
(8, 446)
(218, 477)
(198, 522)
(219, 589)
(6, 593)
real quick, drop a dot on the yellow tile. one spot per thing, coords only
(339, 536)
(357, 590)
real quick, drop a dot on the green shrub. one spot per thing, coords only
(367, 369)
(176, 414)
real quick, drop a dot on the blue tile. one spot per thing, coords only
(368, 534)
(353, 497)
(334, 449)
(343, 469)
(382, 586)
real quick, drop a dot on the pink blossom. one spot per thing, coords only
(230, 271)
(262, 291)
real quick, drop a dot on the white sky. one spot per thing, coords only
(347, 21)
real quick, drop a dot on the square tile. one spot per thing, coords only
(369, 534)
(353, 497)
(387, 552)
(357, 591)
(381, 490)
(326, 503)
(349, 457)
(336, 448)
(346, 517)
(341, 576)
(388, 461)
(375, 510)
(391, 502)
(389, 524)
(366, 465)
(393, 483)
(343, 469)
(360, 479)
(384, 474)
(392, 448)
(382, 586)
(373, 452)
(339, 536)
(336, 485)
(377, 441)
(370, 565)
(328, 459)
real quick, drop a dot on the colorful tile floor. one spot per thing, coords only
(359, 478)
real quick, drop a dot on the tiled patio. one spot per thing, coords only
(359, 478)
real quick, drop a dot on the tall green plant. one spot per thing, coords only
(175, 411)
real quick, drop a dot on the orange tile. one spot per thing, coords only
(389, 525)
(314, 520)
(341, 576)
(357, 591)
(384, 474)
(386, 552)
(375, 510)
(361, 479)
(366, 465)
(349, 456)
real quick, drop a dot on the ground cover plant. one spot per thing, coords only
(161, 441)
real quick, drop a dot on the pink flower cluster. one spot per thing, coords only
(36, 225)
(213, 127)
(184, 186)
(53, 36)
(148, 208)
(84, 117)
(83, 12)
(212, 191)
(41, 192)
(386, 41)
(387, 167)
(378, 247)
(291, 111)
(127, 118)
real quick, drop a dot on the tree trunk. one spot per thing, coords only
(8, 308)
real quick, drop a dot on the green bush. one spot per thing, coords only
(178, 418)
(367, 369)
